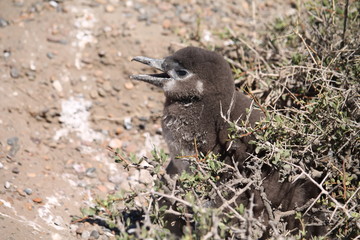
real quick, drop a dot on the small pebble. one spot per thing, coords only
(54, 4)
(80, 229)
(145, 176)
(57, 40)
(102, 188)
(107, 86)
(28, 191)
(6, 53)
(95, 234)
(115, 143)
(98, 73)
(109, 8)
(127, 123)
(101, 92)
(14, 72)
(37, 200)
(7, 185)
(93, 94)
(119, 131)
(31, 75)
(57, 85)
(50, 55)
(31, 175)
(158, 131)
(117, 178)
(117, 87)
(79, 168)
(101, 53)
(3, 22)
(91, 172)
(187, 18)
(144, 118)
(85, 234)
(143, 17)
(12, 141)
(59, 221)
(21, 192)
(74, 228)
(129, 85)
(166, 24)
(1, 165)
(15, 170)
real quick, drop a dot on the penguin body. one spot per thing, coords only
(200, 101)
(199, 90)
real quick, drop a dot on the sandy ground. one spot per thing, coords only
(65, 95)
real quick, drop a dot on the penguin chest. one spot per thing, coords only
(183, 131)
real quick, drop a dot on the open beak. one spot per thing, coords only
(156, 79)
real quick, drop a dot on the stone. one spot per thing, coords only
(28, 191)
(50, 55)
(102, 188)
(57, 86)
(129, 85)
(79, 168)
(3, 22)
(85, 234)
(107, 86)
(127, 123)
(7, 185)
(119, 131)
(73, 228)
(109, 8)
(95, 234)
(59, 221)
(145, 176)
(37, 200)
(116, 87)
(15, 170)
(14, 72)
(54, 4)
(187, 18)
(12, 141)
(115, 143)
(117, 178)
(80, 229)
(93, 94)
(21, 192)
(91, 172)
(101, 92)
(166, 24)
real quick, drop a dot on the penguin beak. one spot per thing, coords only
(155, 79)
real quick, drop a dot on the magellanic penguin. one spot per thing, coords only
(201, 99)
(200, 91)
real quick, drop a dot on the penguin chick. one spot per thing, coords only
(199, 87)
(199, 90)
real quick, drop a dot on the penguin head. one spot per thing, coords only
(190, 74)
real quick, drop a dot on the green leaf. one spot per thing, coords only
(88, 211)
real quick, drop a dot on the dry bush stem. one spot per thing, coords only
(323, 191)
(251, 48)
(221, 196)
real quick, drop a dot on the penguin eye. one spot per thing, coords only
(181, 72)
